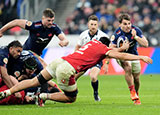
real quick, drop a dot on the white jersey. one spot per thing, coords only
(85, 37)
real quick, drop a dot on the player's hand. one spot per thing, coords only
(125, 45)
(63, 43)
(28, 99)
(105, 68)
(134, 33)
(18, 95)
(22, 77)
(1, 34)
(147, 59)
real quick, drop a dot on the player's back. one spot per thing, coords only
(87, 56)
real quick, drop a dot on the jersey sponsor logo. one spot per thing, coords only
(5, 60)
(42, 40)
(28, 23)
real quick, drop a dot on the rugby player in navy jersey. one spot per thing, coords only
(40, 32)
(132, 68)
(26, 66)
(64, 69)
(13, 50)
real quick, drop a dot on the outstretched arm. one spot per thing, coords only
(6, 78)
(126, 56)
(17, 22)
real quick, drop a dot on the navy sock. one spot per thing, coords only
(95, 86)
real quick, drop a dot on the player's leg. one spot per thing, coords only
(78, 75)
(136, 69)
(66, 97)
(65, 79)
(94, 80)
(27, 84)
(126, 65)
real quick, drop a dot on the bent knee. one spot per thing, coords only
(71, 99)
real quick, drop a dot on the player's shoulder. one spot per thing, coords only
(85, 32)
(136, 28)
(4, 50)
(102, 34)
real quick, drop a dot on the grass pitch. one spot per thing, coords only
(115, 97)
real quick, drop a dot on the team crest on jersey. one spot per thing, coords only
(63, 80)
(29, 23)
(118, 32)
(17, 73)
(49, 35)
(112, 38)
(5, 60)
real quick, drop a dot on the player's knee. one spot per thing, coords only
(136, 79)
(41, 79)
(71, 96)
(128, 70)
(93, 79)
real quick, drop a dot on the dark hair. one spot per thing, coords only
(15, 43)
(30, 63)
(105, 40)
(125, 16)
(48, 13)
(93, 17)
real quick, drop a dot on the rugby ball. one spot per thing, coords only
(120, 40)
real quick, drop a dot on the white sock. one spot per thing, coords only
(44, 96)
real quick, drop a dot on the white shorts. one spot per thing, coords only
(136, 66)
(63, 72)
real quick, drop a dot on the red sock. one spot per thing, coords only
(137, 93)
(131, 88)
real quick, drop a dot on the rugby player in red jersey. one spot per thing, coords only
(64, 69)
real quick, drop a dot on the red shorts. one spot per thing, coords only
(11, 99)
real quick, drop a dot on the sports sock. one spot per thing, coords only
(45, 96)
(95, 86)
(131, 88)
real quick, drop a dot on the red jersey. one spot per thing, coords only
(87, 56)
(11, 99)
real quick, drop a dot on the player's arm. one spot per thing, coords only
(142, 41)
(17, 22)
(6, 78)
(77, 47)
(105, 66)
(130, 57)
(63, 40)
(124, 47)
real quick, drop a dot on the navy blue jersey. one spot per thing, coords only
(39, 37)
(16, 67)
(4, 56)
(133, 43)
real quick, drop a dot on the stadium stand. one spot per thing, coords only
(145, 14)
(71, 15)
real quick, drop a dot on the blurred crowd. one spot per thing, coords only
(145, 14)
(9, 10)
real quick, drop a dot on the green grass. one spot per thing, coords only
(115, 97)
